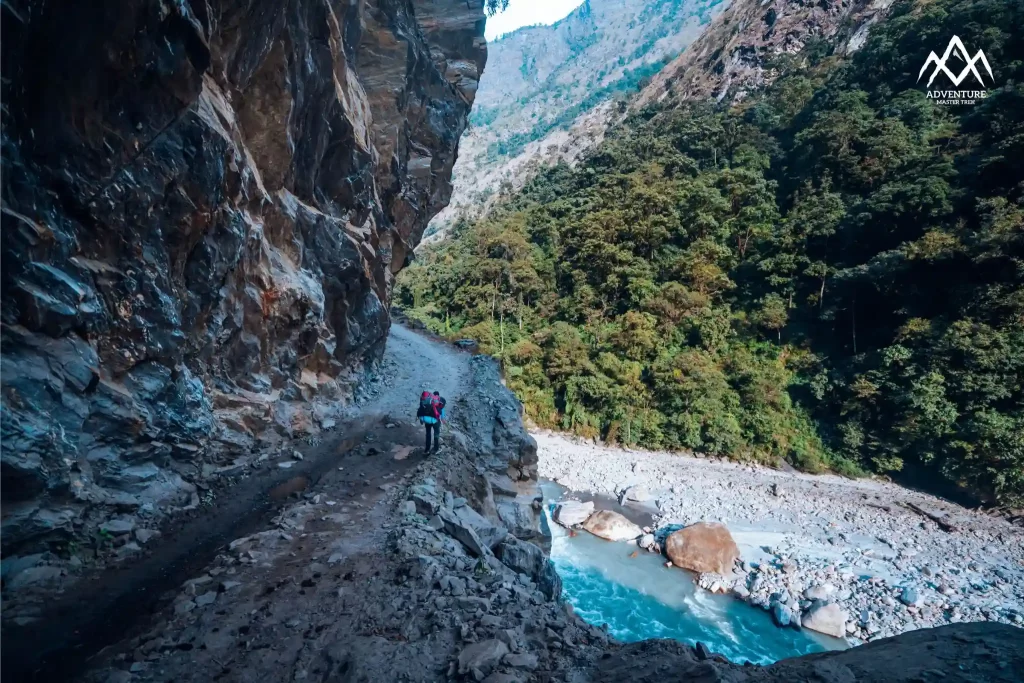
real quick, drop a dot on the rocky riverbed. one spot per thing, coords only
(890, 559)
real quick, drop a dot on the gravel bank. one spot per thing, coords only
(855, 543)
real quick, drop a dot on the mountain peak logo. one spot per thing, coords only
(956, 49)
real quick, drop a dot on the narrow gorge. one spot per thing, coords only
(205, 206)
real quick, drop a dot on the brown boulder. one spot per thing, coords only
(703, 547)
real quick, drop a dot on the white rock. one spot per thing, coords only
(820, 591)
(571, 512)
(612, 526)
(829, 619)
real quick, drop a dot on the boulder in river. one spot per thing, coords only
(781, 614)
(703, 547)
(572, 512)
(828, 618)
(611, 526)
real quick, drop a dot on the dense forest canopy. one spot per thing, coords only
(830, 272)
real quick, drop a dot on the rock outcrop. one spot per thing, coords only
(735, 54)
(502, 444)
(703, 547)
(959, 652)
(205, 206)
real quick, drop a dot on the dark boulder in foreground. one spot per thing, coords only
(703, 547)
(979, 653)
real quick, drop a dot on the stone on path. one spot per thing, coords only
(490, 534)
(144, 536)
(117, 527)
(498, 677)
(33, 575)
(523, 660)
(462, 533)
(456, 585)
(612, 526)
(703, 547)
(572, 512)
(207, 598)
(482, 656)
(472, 530)
(828, 618)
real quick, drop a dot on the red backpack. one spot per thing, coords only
(426, 408)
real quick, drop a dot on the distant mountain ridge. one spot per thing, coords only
(549, 89)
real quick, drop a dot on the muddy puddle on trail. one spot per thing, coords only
(293, 486)
(117, 603)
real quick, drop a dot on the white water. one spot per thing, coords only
(639, 598)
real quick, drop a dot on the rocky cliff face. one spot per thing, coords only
(204, 209)
(735, 54)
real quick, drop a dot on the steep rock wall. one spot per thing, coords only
(204, 209)
(733, 56)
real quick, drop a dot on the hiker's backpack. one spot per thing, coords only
(426, 408)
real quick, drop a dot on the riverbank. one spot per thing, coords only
(638, 597)
(868, 545)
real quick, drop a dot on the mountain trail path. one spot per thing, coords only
(336, 483)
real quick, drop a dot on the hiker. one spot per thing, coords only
(431, 413)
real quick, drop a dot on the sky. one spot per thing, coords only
(528, 13)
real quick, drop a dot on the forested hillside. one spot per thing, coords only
(829, 273)
(542, 98)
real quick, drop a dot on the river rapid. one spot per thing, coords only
(632, 592)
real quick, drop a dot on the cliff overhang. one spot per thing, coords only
(204, 209)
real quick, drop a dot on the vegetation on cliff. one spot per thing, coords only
(546, 86)
(830, 273)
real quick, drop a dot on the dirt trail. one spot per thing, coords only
(355, 464)
(415, 364)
